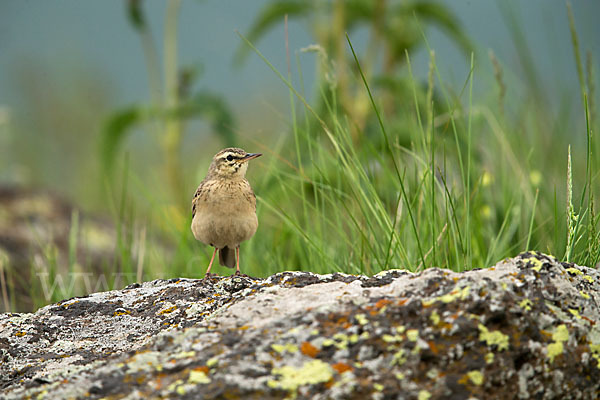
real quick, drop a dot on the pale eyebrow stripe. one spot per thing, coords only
(224, 157)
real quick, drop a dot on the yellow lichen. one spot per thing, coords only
(588, 278)
(574, 271)
(361, 318)
(311, 372)
(595, 349)
(537, 264)
(435, 317)
(174, 386)
(476, 377)
(340, 340)
(525, 304)
(455, 295)
(493, 337)
(428, 302)
(184, 354)
(399, 358)
(281, 348)
(412, 335)
(390, 338)
(212, 362)
(554, 349)
(584, 294)
(198, 377)
(560, 335)
(424, 395)
(378, 387)
(489, 358)
(399, 376)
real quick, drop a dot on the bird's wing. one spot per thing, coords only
(196, 198)
(250, 196)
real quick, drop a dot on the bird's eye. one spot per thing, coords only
(230, 158)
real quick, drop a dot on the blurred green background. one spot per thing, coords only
(451, 152)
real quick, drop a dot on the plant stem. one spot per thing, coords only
(173, 126)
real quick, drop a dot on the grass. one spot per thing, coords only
(363, 209)
(456, 182)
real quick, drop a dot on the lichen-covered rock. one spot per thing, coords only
(525, 328)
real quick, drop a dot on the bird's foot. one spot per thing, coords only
(209, 275)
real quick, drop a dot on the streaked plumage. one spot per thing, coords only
(224, 206)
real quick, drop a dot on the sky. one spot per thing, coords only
(97, 35)
(63, 44)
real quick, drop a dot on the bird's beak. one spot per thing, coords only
(250, 156)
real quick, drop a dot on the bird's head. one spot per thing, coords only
(231, 162)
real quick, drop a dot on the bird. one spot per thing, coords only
(224, 207)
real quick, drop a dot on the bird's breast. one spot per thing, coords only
(225, 213)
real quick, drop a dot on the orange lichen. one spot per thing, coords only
(591, 321)
(382, 303)
(118, 313)
(168, 310)
(308, 349)
(343, 321)
(202, 368)
(341, 367)
(433, 347)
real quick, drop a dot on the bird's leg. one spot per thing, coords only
(210, 263)
(237, 258)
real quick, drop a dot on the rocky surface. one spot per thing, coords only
(525, 328)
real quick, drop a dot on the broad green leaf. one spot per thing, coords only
(270, 16)
(136, 14)
(441, 16)
(214, 109)
(113, 134)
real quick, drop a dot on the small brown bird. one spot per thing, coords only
(224, 207)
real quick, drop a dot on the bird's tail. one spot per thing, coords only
(227, 257)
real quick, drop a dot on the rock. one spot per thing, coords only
(525, 328)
